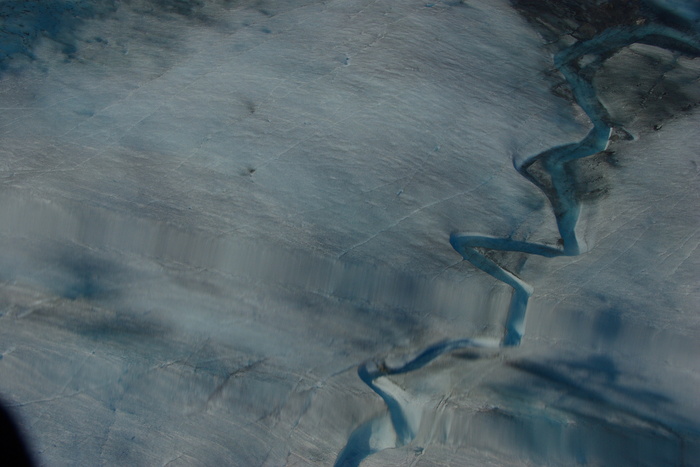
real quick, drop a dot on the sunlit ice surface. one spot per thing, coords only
(226, 232)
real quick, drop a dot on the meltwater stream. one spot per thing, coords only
(399, 425)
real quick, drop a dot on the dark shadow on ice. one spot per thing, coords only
(180, 7)
(588, 379)
(591, 411)
(85, 276)
(608, 324)
(684, 13)
(13, 449)
(24, 23)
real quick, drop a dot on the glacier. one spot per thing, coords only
(310, 232)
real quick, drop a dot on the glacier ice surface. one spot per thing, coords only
(214, 213)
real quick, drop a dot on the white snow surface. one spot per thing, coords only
(208, 224)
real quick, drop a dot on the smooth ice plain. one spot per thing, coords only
(255, 233)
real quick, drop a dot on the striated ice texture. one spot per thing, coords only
(350, 232)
